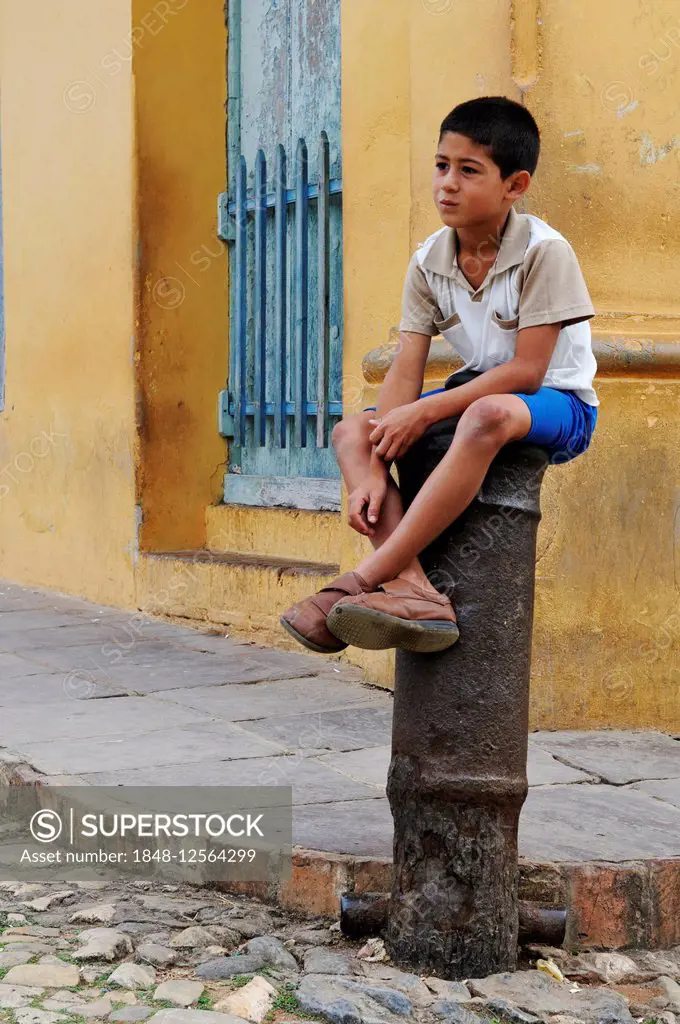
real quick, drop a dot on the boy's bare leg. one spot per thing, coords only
(353, 452)
(484, 428)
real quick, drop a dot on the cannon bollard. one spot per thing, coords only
(457, 778)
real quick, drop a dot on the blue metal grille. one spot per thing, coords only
(275, 383)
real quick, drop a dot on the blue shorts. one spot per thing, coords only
(560, 422)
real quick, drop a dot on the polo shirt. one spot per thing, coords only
(536, 279)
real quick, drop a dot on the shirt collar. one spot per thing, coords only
(441, 257)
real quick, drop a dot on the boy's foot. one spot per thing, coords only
(306, 620)
(396, 614)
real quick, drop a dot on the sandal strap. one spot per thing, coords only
(350, 583)
(403, 588)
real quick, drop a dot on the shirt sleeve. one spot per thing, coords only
(419, 306)
(553, 290)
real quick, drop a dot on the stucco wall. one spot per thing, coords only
(67, 433)
(113, 130)
(180, 79)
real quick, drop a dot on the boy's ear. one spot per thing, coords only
(517, 184)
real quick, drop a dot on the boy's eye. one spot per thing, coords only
(470, 170)
(441, 166)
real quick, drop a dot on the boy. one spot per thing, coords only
(507, 292)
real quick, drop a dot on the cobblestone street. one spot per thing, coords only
(131, 952)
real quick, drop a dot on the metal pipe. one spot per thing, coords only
(365, 914)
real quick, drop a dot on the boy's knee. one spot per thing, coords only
(351, 427)
(486, 417)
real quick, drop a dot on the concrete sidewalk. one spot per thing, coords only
(115, 698)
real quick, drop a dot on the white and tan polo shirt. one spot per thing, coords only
(536, 279)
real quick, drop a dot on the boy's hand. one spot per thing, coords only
(365, 503)
(397, 430)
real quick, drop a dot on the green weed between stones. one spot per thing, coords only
(102, 978)
(239, 980)
(288, 1002)
(205, 1002)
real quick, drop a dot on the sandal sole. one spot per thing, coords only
(376, 631)
(309, 644)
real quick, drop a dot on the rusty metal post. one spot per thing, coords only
(457, 779)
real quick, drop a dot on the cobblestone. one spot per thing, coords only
(325, 979)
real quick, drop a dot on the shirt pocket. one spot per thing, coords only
(453, 332)
(447, 323)
(505, 325)
(501, 340)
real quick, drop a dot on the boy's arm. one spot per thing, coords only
(403, 381)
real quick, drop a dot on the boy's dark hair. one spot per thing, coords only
(506, 128)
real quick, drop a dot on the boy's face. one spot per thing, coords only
(467, 186)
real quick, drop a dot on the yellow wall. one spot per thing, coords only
(180, 76)
(113, 132)
(604, 91)
(67, 434)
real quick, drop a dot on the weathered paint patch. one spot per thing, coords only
(651, 153)
(585, 168)
(622, 111)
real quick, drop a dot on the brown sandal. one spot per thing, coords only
(306, 620)
(396, 614)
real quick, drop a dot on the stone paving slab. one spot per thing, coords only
(51, 688)
(310, 775)
(74, 719)
(344, 729)
(558, 824)
(544, 770)
(667, 790)
(28, 624)
(124, 635)
(369, 765)
(345, 826)
(237, 703)
(312, 781)
(178, 746)
(372, 763)
(617, 757)
(155, 665)
(13, 667)
(597, 822)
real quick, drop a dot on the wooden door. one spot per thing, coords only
(282, 218)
